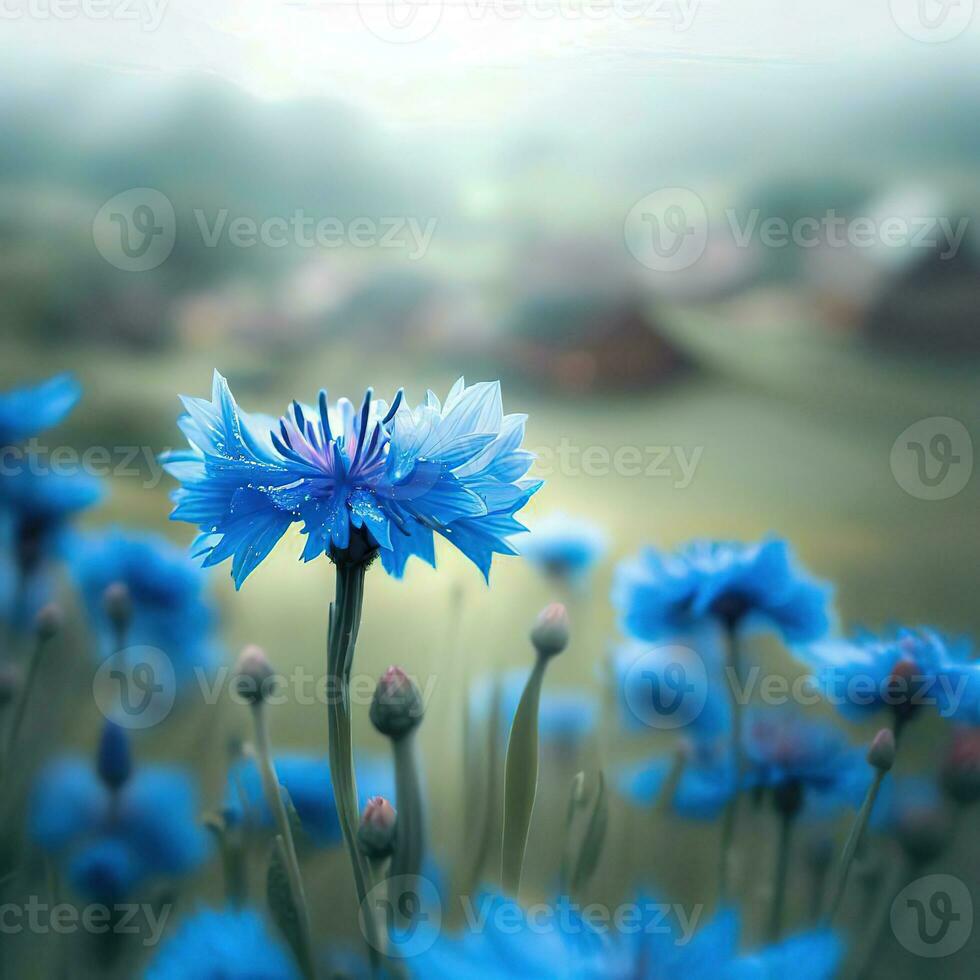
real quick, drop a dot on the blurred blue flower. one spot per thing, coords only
(231, 944)
(111, 840)
(903, 670)
(904, 799)
(785, 750)
(382, 478)
(170, 608)
(27, 411)
(661, 595)
(556, 941)
(564, 548)
(706, 784)
(307, 781)
(36, 510)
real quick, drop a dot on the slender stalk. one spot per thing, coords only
(901, 873)
(345, 620)
(674, 776)
(786, 825)
(273, 795)
(406, 860)
(20, 707)
(730, 817)
(853, 840)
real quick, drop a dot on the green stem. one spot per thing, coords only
(853, 840)
(902, 873)
(730, 818)
(345, 620)
(20, 707)
(786, 824)
(406, 860)
(521, 780)
(273, 795)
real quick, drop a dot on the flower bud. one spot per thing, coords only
(881, 754)
(376, 834)
(113, 761)
(396, 708)
(254, 677)
(9, 683)
(118, 605)
(48, 621)
(961, 767)
(550, 632)
(901, 689)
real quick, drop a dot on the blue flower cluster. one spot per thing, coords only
(564, 548)
(113, 830)
(383, 478)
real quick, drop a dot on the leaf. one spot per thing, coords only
(280, 899)
(586, 823)
(520, 780)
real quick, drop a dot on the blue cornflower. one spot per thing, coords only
(307, 781)
(564, 548)
(790, 754)
(113, 831)
(380, 479)
(233, 944)
(26, 411)
(662, 595)
(168, 602)
(903, 670)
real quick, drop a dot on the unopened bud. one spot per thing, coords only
(376, 834)
(396, 708)
(9, 683)
(254, 677)
(48, 621)
(550, 632)
(901, 688)
(961, 767)
(881, 754)
(118, 604)
(113, 761)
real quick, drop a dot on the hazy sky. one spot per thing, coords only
(443, 59)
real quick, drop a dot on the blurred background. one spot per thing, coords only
(724, 255)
